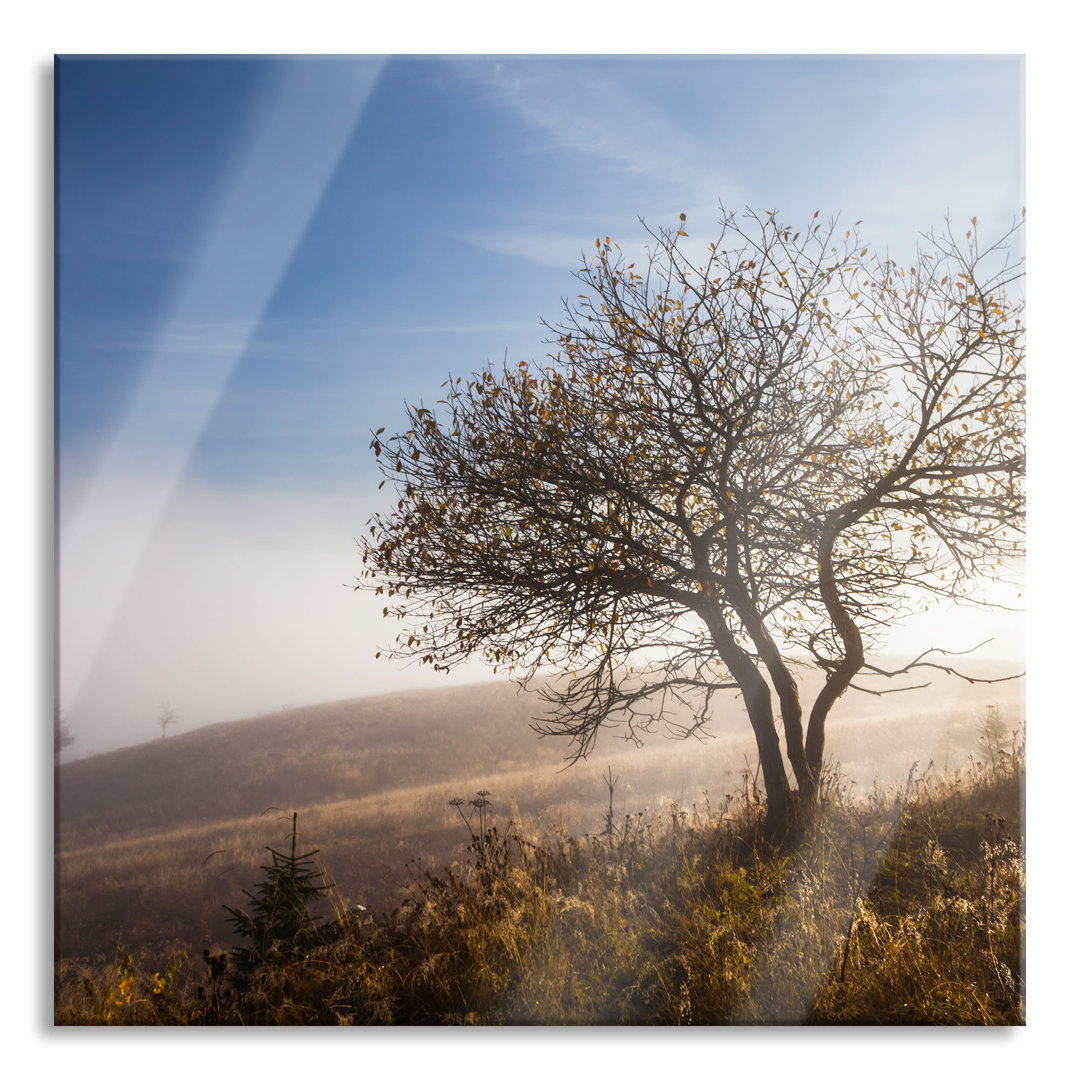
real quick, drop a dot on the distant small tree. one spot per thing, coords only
(993, 734)
(728, 469)
(62, 736)
(166, 717)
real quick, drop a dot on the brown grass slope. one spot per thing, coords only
(152, 840)
(297, 757)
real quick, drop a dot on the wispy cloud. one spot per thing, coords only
(206, 337)
(639, 158)
(284, 337)
(601, 112)
(532, 242)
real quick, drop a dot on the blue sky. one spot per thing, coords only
(258, 261)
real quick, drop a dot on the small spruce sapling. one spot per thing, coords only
(279, 924)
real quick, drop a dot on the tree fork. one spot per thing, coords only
(786, 691)
(839, 679)
(758, 701)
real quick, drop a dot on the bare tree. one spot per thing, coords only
(62, 736)
(727, 469)
(165, 717)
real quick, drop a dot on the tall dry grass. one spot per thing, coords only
(902, 905)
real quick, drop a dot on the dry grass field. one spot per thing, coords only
(152, 840)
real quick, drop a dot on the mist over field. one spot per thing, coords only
(237, 605)
(241, 604)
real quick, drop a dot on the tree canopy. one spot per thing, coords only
(732, 464)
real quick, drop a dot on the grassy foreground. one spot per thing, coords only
(905, 907)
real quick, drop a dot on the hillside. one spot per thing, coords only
(295, 757)
(153, 839)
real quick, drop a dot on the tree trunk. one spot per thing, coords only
(758, 701)
(786, 689)
(791, 714)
